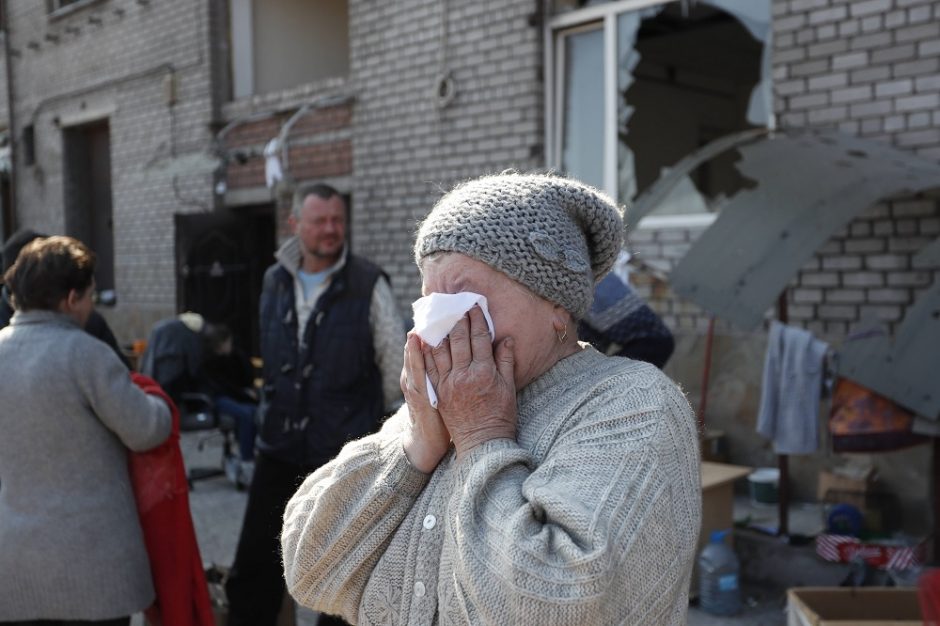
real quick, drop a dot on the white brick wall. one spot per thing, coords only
(113, 57)
(870, 68)
(405, 150)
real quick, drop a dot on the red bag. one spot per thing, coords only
(158, 477)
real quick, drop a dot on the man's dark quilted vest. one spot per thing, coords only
(327, 391)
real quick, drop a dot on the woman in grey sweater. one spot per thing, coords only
(71, 546)
(550, 485)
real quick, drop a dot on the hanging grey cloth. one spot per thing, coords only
(789, 404)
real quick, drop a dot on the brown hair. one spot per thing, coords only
(46, 270)
(320, 190)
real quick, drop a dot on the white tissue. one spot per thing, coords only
(436, 315)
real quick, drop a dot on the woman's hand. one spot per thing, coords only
(425, 439)
(475, 388)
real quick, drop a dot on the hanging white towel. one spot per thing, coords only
(436, 315)
(272, 162)
(791, 386)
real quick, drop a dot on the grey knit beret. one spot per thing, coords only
(556, 236)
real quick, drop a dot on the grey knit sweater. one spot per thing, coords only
(70, 540)
(590, 517)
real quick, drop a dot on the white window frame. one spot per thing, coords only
(558, 98)
(55, 8)
(555, 29)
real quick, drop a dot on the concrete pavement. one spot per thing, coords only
(217, 509)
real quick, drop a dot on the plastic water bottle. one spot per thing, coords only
(719, 583)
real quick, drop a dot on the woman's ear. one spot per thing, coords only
(560, 318)
(73, 298)
(71, 302)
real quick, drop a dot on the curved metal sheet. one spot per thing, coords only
(809, 184)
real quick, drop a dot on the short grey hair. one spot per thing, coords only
(320, 190)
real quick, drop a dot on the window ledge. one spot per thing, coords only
(70, 9)
(694, 220)
(286, 99)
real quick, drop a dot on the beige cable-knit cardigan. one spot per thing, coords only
(591, 517)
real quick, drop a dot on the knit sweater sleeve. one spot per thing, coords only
(341, 519)
(388, 339)
(601, 531)
(139, 420)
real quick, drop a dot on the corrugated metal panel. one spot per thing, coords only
(905, 370)
(808, 185)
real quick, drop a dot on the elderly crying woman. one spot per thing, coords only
(550, 484)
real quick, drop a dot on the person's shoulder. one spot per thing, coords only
(69, 343)
(364, 272)
(625, 381)
(275, 271)
(87, 343)
(363, 264)
(617, 366)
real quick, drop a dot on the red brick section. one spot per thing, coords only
(321, 120)
(250, 174)
(259, 132)
(254, 133)
(305, 163)
(321, 160)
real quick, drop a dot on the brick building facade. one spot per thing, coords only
(138, 76)
(425, 93)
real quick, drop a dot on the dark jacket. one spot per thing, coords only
(173, 357)
(620, 322)
(327, 391)
(228, 375)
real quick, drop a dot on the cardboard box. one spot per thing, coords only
(841, 485)
(845, 606)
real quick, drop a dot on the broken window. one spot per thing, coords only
(278, 44)
(637, 87)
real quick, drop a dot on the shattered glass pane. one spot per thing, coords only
(628, 24)
(686, 78)
(583, 122)
(755, 16)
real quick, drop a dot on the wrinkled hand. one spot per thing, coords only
(475, 388)
(425, 439)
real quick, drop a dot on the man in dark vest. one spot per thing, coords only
(332, 343)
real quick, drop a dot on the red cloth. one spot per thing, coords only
(159, 480)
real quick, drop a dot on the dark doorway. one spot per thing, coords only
(88, 209)
(7, 218)
(220, 262)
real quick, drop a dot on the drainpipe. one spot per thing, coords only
(4, 17)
